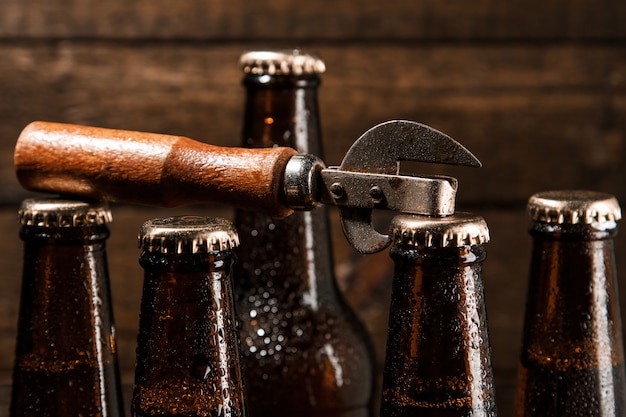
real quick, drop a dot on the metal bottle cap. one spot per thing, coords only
(285, 62)
(57, 212)
(574, 207)
(459, 229)
(188, 234)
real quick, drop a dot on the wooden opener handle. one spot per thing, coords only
(148, 168)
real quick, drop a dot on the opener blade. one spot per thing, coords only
(368, 178)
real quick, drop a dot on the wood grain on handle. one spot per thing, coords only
(148, 168)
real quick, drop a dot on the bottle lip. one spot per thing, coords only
(281, 62)
(187, 234)
(457, 230)
(63, 212)
(575, 207)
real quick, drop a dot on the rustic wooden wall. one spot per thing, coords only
(536, 89)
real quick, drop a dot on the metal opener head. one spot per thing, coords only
(369, 178)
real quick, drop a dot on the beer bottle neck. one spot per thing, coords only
(438, 355)
(217, 264)
(572, 355)
(572, 294)
(187, 344)
(578, 232)
(572, 269)
(70, 263)
(448, 260)
(282, 111)
(65, 330)
(88, 235)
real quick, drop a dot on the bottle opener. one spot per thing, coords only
(156, 169)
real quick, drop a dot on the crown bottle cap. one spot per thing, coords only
(59, 212)
(574, 207)
(457, 230)
(281, 62)
(188, 234)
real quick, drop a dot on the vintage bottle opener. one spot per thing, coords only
(148, 168)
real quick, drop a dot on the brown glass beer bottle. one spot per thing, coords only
(438, 357)
(304, 352)
(572, 359)
(66, 360)
(187, 347)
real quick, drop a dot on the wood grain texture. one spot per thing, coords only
(537, 117)
(148, 168)
(314, 20)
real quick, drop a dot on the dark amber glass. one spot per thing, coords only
(304, 351)
(66, 360)
(438, 357)
(187, 347)
(572, 360)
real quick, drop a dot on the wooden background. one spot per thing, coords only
(536, 89)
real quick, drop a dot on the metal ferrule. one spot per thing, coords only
(300, 182)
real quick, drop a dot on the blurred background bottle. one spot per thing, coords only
(572, 359)
(304, 351)
(66, 360)
(187, 347)
(438, 357)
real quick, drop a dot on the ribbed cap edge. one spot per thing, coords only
(574, 207)
(457, 230)
(187, 234)
(58, 212)
(281, 62)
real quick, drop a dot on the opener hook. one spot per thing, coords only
(379, 151)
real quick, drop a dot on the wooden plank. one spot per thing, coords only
(537, 117)
(314, 20)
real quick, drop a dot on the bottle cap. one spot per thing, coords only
(58, 212)
(188, 234)
(459, 229)
(285, 62)
(574, 207)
